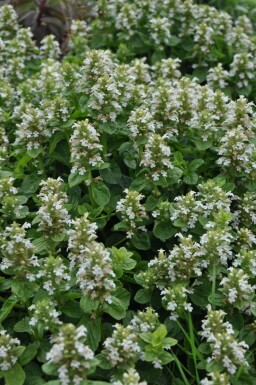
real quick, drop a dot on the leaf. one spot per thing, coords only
(72, 309)
(112, 174)
(88, 305)
(30, 184)
(141, 241)
(40, 244)
(195, 164)
(55, 139)
(164, 230)
(115, 308)
(166, 358)
(142, 296)
(93, 330)
(34, 152)
(50, 368)
(202, 145)
(201, 292)
(175, 175)
(75, 178)
(124, 296)
(23, 289)
(7, 307)
(29, 353)
(191, 178)
(15, 375)
(100, 193)
(22, 326)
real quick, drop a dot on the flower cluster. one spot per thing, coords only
(175, 300)
(132, 212)
(122, 347)
(10, 201)
(91, 261)
(85, 148)
(18, 252)
(54, 274)
(9, 350)
(131, 377)
(44, 314)
(53, 217)
(225, 349)
(74, 359)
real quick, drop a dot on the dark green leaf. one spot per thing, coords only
(100, 193)
(141, 241)
(164, 230)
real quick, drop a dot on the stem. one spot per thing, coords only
(183, 375)
(238, 373)
(92, 201)
(105, 145)
(193, 347)
(121, 241)
(213, 286)
(41, 10)
(189, 340)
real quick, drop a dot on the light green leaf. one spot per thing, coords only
(75, 178)
(88, 305)
(142, 296)
(15, 375)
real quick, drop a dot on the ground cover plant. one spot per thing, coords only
(128, 204)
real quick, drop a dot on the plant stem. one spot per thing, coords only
(119, 242)
(213, 286)
(105, 145)
(90, 190)
(193, 347)
(183, 375)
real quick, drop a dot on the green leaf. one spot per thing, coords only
(203, 145)
(72, 309)
(15, 375)
(29, 353)
(30, 184)
(50, 368)
(55, 139)
(112, 174)
(164, 230)
(201, 292)
(93, 330)
(124, 296)
(100, 193)
(166, 358)
(41, 244)
(33, 153)
(23, 290)
(142, 296)
(115, 308)
(175, 175)
(195, 164)
(75, 178)
(191, 178)
(22, 326)
(141, 241)
(88, 304)
(7, 307)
